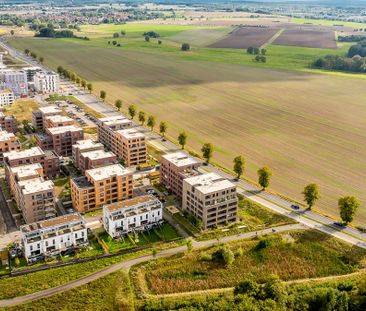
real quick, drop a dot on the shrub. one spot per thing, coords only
(262, 244)
(185, 47)
(224, 255)
(205, 257)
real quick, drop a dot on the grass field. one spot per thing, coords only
(22, 109)
(306, 127)
(327, 22)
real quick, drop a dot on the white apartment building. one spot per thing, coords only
(53, 236)
(210, 198)
(46, 82)
(7, 98)
(14, 80)
(137, 214)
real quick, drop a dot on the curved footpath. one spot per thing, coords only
(131, 262)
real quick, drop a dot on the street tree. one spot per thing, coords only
(103, 95)
(26, 52)
(348, 207)
(72, 77)
(41, 59)
(311, 194)
(207, 150)
(142, 117)
(34, 55)
(151, 122)
(118, 104)
(182, 139)
(83, 84)
(185, 47)
(132, 111)
(163, 128)
(264, 176)
(78, 80)
(60, 70)
(239, 166)
(90, 87)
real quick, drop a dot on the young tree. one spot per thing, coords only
(147, 38)
(163, 128)
(116, 35)
(189, 244)
(250, 50)
(185, 47)
(90, 87)
(41, 59)
(60, 70)
(78, 80)
(103, 95)
(348, 207)
(160, 42)
(264, 175)
(263, 51)
(123, 32)
(151, 122)
(26, 52)
(132, 111)
(34, 55)
(83, 84)
(207, 150)
(239, 163)
(182, 139)
(72, 77)
(12, 32)
(311, 194)
(118, 104)
(142, 117)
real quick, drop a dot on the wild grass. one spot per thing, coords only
(22, 109)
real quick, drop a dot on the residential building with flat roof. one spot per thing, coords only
(100, 186)
(8, 123)
(46, 82)
(133, 215)
(7, 98)
(107, 127)
(57, 121)
(39, 116)
(95, 159)
(81, 146)
(131, 147)
(172, 166)
(14, 80)
(8, 142)
(36, 199)
(210, 198)
(53, 236)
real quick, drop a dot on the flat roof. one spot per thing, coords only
(6, 91)
(130, 133)
(104, 172)
(82, 182)
(87, 144)
(131, 202)
(20, 154)
(64, 129)
(26, 170)
(181, 158)
(50, 109)
(35, 185)
(112, 118)
(209, 182)
(49, 223)
(4, 135)
(98, 154)
(59, 118)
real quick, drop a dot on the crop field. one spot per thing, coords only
(306, 127)
(291, 256)
(245, 37)
(307, 38)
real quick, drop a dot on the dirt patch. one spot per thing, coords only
(307, 38)
(244, 37)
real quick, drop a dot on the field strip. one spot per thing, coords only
(270, 41)
(231, 289)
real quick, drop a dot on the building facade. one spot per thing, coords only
(57, 121)
(8, 142)
(94, 159)
(134, 215)
(46, 82)
(39, 116)
(8, 123)
(131, 147)
(14, 80)
(7, 98)
(210, 198)
(54, 236)
(81, 146)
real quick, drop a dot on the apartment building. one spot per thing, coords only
(49, 161)
(137, 214)
(53, 236)
(8, 142)
(100, 186)
(94, 159)
(46, 82)
(174, 167)
(211, 198)
(39, 116)
(7, 98)
(107, 127)
(131, 147)
(8, 123)
(14, 80)
(36, 199)
(57, 121)
(81, 146)
(31, 72)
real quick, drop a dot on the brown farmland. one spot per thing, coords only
(307, 38)
(244, 37)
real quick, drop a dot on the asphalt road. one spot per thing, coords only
(129, 263)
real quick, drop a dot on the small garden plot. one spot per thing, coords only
(245, 37)
(307, 38)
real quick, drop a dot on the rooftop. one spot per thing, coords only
(98, 154)
(35, 185)
(87, 144)
(6, 92)
(130, 133)
(209, 182)
(131, 202)
(50, 109)
(26, 170)
(21, 154)
(181, 159)
(4, 135)
(82, 182)
(64, 129)
(108, 171)
(59, 118)
(53, 222)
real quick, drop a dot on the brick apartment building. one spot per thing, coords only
(8, 123)
(57, 121)
(174, 167)
(81, 146)
(131, 147)
(101, 186)
(210, 198)
(8, 142)
(95, 159)
(39, 116)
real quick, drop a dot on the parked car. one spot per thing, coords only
(295, 206)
